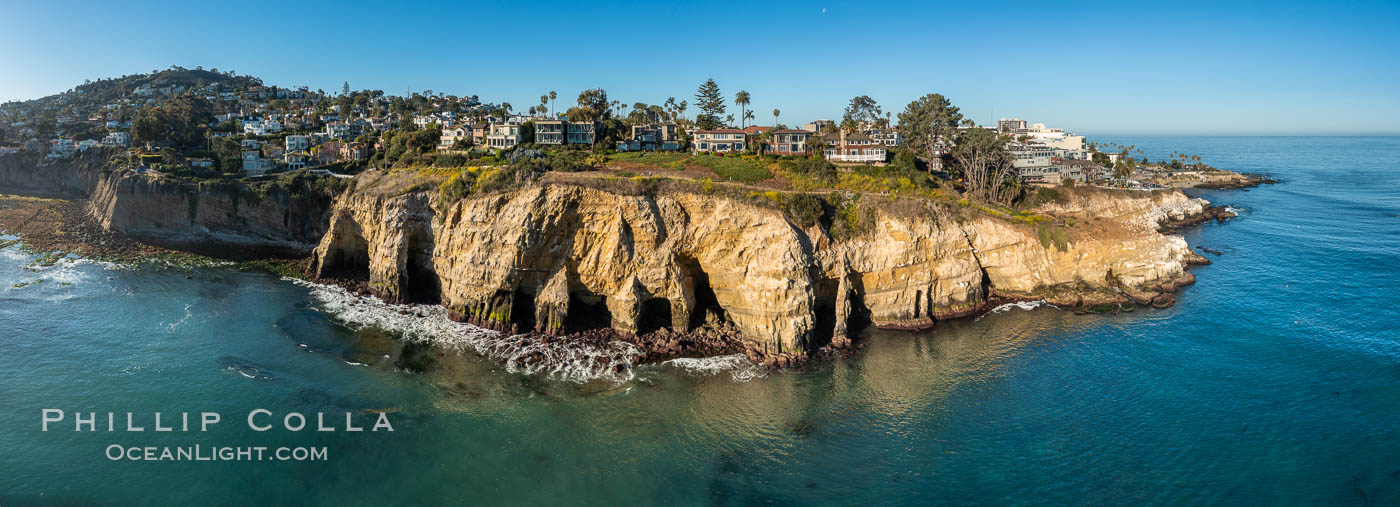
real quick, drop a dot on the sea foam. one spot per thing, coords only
(1022, 305)
(738, 366)
(571, 361)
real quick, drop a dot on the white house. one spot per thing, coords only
(451, 135)
(117, 139)
(503, 136)
(338, 130)
(298, 143)
(855, 148)
(296, 160)
(62, 148)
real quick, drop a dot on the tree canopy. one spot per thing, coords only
(980, 157)
(742, 100)
(593, 105)
(182, 120)
(927, 121)
(861, 109)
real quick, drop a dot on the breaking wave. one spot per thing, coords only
(561, 359)
(1023, 305)
(738, 366)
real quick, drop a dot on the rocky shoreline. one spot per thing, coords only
(64, 225)
(1248, 180)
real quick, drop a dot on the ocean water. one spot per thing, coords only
(1275, 380)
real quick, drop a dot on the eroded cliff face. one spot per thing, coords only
(210, 215)
(31, 173)
(227, 219)
(562, 258)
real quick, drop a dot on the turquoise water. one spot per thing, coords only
(1276, 379)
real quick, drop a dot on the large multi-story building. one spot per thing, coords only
(854, 148)
(117, 139)
(787, 142)
(503, 136)
(338, 130)
(551, 132)
(719, 141)
(887, 137)
(451, 135)
(651, 137)
(581, 132)
(298, 143)
(1031, 155)
(1009, 125)
(1055, 138)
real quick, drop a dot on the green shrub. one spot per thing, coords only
(804, 210)
(734, 168)
(1047, 194)
(815, 167)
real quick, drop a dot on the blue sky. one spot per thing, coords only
(1100, 68)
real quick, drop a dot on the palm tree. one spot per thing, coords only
(552, 95)
(742, 99)
(775, 117)
(682, 110)
(544, 101)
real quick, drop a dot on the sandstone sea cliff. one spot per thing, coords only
(559, 258)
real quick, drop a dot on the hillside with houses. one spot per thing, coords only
(211, 124)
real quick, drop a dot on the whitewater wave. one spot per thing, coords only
(738, 366)
(13, 253)
(1022, 305)
(570, 361)
(173, 325)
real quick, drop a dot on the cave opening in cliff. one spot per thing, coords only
(824, 311)
(587, 311)
(350, 257)
(706, 304)
(655, 314)
(421, 283)
(522, 310)
(918, 303)
(859, 319)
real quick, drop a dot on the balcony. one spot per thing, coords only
(861, 158)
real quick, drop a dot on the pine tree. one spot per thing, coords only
(711, 103)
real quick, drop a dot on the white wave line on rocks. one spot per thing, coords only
(1023, 305)
(571, 361)
(738, 365)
